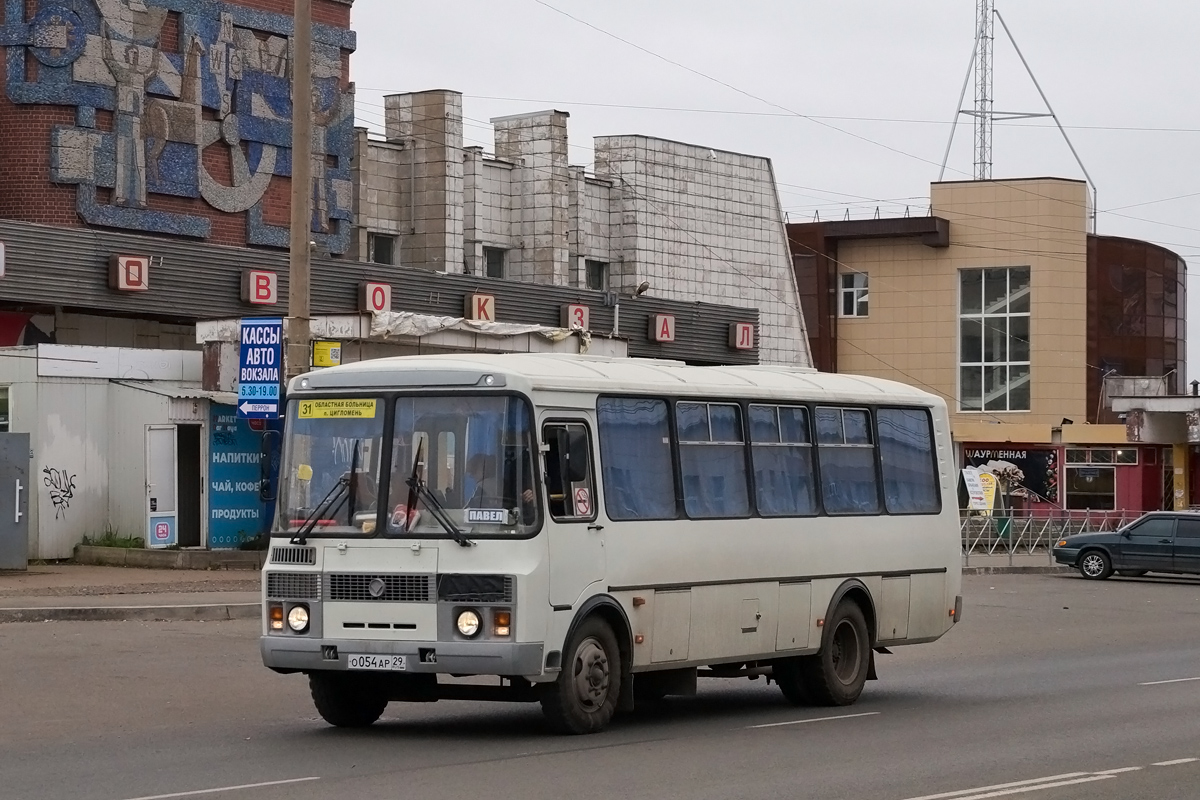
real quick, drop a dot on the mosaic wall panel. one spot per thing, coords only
(188, 84)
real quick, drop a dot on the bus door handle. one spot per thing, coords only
(595, 527)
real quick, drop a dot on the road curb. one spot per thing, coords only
(169, 559)
(189, 613)
(1006, 570)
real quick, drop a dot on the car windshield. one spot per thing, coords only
(330, 475)
(475, 456)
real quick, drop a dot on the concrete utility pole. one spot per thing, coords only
(299, 331)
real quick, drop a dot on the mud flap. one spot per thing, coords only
(871, 675)
(625, 699)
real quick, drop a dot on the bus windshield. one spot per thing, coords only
(475, 456)
(331, 462)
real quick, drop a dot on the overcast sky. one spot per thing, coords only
(878, 79)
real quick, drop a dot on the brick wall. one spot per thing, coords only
(27, 193)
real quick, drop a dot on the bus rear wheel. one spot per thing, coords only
(836, 675)
(789, 675)
(584, 697)
(347, 701)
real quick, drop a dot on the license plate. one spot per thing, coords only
(387, 663)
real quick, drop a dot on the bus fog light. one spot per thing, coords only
(298, 618)
(468, 623)
(275, 614)
(502, 623)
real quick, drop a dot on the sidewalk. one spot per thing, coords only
(79, 592)
(1001, 563)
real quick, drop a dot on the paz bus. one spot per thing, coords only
(598, 533)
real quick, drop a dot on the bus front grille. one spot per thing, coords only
(381, 588)
(293, 586)
(293, 555)
(475, 588)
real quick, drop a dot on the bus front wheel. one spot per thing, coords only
(347, 701)
(836, 675)
(584, 697)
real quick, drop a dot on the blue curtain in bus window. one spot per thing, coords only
(784, 479)
(849, 484)
(712, 460)
(910, 483)
(635, 448)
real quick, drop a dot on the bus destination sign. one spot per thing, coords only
(337, 409)
(260, 365)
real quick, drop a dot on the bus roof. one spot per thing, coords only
(600, 374)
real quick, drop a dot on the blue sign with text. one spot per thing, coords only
(236, 510)
(260, 368)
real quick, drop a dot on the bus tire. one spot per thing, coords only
(345, 701)
(836, 675)
(584, 697)
(788, 673)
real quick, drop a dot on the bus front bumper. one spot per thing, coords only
(295, 654)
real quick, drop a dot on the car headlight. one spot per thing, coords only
(468, 623)
(298, 618)
(1061, 543)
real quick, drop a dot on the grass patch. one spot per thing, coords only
(111, 538)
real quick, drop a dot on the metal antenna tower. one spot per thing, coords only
(983, 112)
(984, 37)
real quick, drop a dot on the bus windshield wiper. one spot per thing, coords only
(332, 502)
(418, 490)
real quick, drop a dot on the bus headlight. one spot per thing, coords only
(298, 618)
(468, 623)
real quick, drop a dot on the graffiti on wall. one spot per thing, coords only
(62, 489)
(189, 84)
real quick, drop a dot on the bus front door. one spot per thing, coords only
(576, 541)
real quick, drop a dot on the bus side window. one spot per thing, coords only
(570, 488)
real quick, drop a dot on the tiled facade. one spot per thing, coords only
(912, 331)
(696, 224)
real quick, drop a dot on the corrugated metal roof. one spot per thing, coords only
(66, 267)
(180, 390)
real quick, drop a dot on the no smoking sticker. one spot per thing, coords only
(583, 503)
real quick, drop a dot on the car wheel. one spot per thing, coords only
(1132, 573)
(1095, 565)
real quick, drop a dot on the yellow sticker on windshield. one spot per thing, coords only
(345, 409)
(304, 471)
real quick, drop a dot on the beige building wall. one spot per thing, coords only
(911, 331)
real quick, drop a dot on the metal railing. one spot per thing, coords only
(1024, 532)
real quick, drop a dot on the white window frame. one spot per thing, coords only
(857, 295)
(982, 317)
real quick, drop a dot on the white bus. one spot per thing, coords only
(596, 533)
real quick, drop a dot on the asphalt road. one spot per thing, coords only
(1050, 688)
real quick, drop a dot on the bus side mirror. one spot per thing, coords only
(577, 455)
(267, 490)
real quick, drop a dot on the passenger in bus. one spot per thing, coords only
(488, 492)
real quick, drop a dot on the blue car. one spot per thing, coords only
(1161, 541)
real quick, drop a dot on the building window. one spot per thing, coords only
(597, 275)
(1102, 455)
(4, 417)
(493, 262)
(854, 294)
(1091, 488)
(381, 248)
(994, 339)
